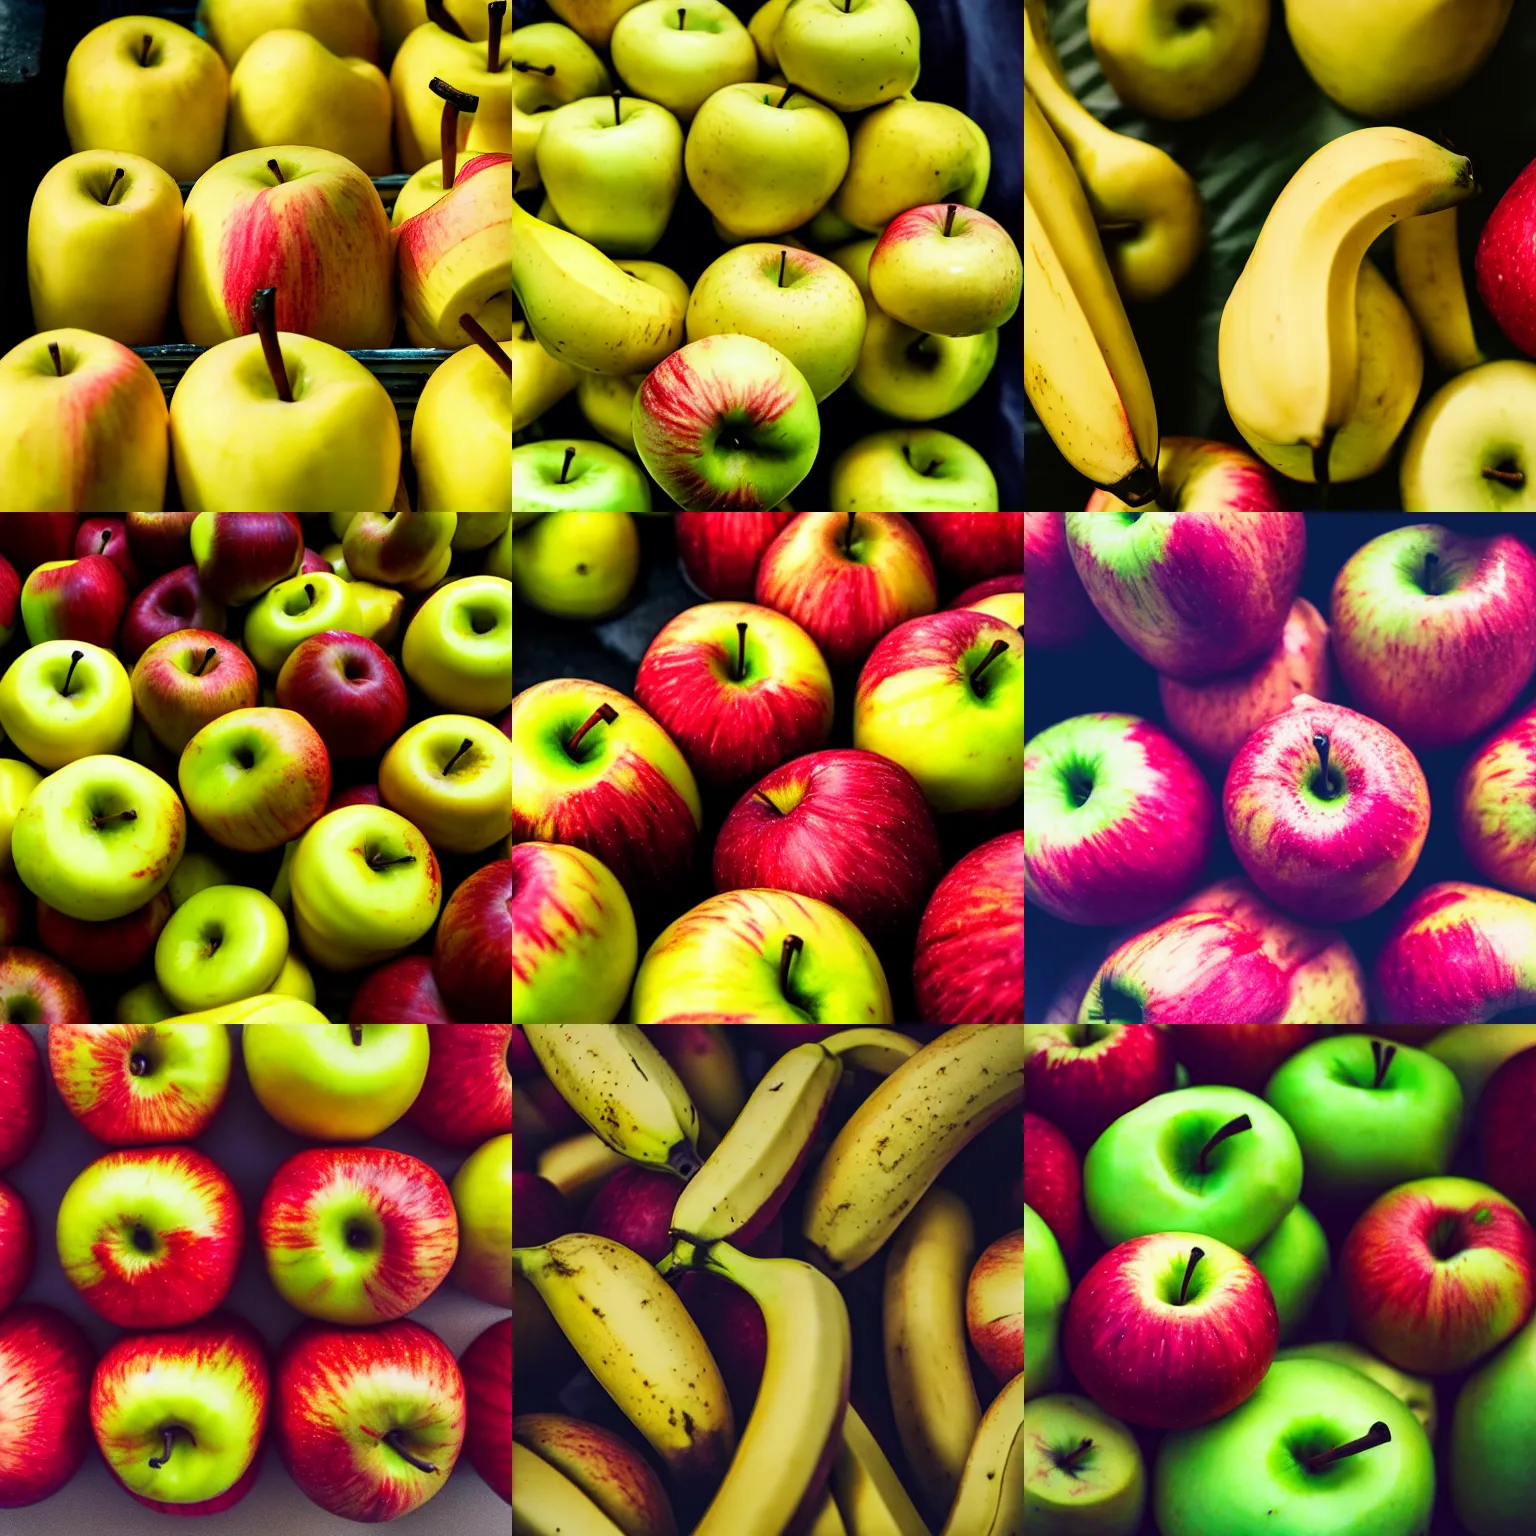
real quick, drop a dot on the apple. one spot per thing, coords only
(913, 469)
(1491, 807)
(720, 551)
(946, 270)
(1062, 613)
(38, 988)
(62, 700)
(1474, 1052)
(1294, 1261)
(1046, 1290)
(680, 60)
(401, 990)
(343, 26)
(379, 610)
(851, 56)
(22, 1104)
(1245, 565)
(346, 689)
(294, 610)
(1329, 838)
(1491, 1483)
(1212, 1160)
(458, 646)
(399, 548)
(17, 1246)
(225, 944)
(1503, 278)
(239, 555)
(451, 776)
(475, 63)
(1053, 1182)
(1417, 1393)
(482, 1195)
(1082, 1077)
(994, 1306)
(1196, 474)
(1437, 1272)
(188, 679)
(487, 1369)
(472, 957)
(1082, 1470)
(467, 1095)
(1461, 450)
(46, 1363)
(81, 599)
(151, 1238)
(169, 603)
(160, 541)
(1240, 1055)
(1505, 1132)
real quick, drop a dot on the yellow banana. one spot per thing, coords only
(606, 1467)
(621, 1085)
(704, 1058)
(577, 1165)
(268, 1008)
(869, 1493)
(538, 380)
(773, 1480)
(1428, 261)
(1289, 346)
(904, 1134)
(1083, 371)
(828, 1521)
(873, 1050)
(926, 1366)
(637, 1338)
(990, 1501)
(747, 1177)
(545, 1502)
(1143, 200)
(1466, 450)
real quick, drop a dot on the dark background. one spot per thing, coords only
(1102, 674)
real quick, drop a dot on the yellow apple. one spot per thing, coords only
(451, 775)
(461, 434)
(294, 980)
(17, 781)
(399, 18)
(607, 400)
(419, 193)
(594, 19)
(431, 52)
(346, 27)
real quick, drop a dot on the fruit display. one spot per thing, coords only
(194, 1327)
(795, 1297)
(232, 774)
(795, 803)
(746, 238)
(1277, 255)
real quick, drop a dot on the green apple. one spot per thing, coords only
(1083, 1472)
(947, 270)
(1493, 1426)
(1417, 1393)
(458, 647)
(800, 303)
(908, 153)
(1474, 1052)
(451, 776)
(226, 943)
(66, 699)
(1367, 1115)
(478, 530)
(1176, 63)
(498, 558)
(612, 167)
(196, 872)
(294, 980)
(578, 476)
(1294, 1259)
(294, 610)
(851, 55)
(912, 469)
(680, 55)
(553, 66)
(576, 565)
(764, 159)
(829, 228)
(1046, 1290)
(482, 1195)
(336, 1082)
(17, 781)
(143, 1004)
(1211, 1160)
(1318, 1448)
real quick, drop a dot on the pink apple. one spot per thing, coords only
(739, 688)
(1506, 1130)
(1118, 821)
(359, 794)
(27, 539)
(1214, 719)
(1171, 1330)
(109, 536)
(315, 562)
(1082, 1076)
(82, 599)
(37, 987)
(947, 270)
(17, 1248)
(848, 579)
(969, 965)
(103, 948)
(1056, 609)
(1438, 1272)
(1493, 806)
(1504, 277)
(849, 828)
(1002, 597)
(402, 991)
(188, 678)
(487, 1370)
(721, 550)
(1193, 593)
(1434, 634)
(160, 541)
(1326, 811)
(634, 1207)
(239, 555)
(1053, 1183)
(994, 1306)
(215, 1506)
(10, 599)
(21, 1094)
(472, 957)
(348, 689)
(45, 1388)
(467, 1097)
(969, 547)
(169, 603)
(1198, 475)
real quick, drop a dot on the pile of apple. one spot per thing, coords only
(369, 1411)
(282, 263)
(855, 256)
(1360, 1200)
(230, 758)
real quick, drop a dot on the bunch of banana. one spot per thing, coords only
(1289, 347)
(989, 1501)
(622, 1086)
(639, 1341)
(1083, 371)
(1427, 258)
(1145, 203)
(902, 1137)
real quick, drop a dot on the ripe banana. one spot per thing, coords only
(607, 1468)
(872, 1050)
(1083, 371)
(621, 1085)
(926, 1366)
(746, 1179)
(990, 1501)
(1143, 200)
(869, 1493)
(578, 1165)
(828, 1521)
(903, 1136)
(1289, 346)
(545, 1502)
(538, 380)
(1428, 261)
(637, 1338)
(1466, 449)
(705, 1060)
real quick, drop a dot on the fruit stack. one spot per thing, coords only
(368, 1409)
(1195, 1255)
(281, 263)
(234, 758)
(771, 1277)
(856, 256)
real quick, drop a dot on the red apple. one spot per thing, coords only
(82, 599)
(21, 1093)
(971, 546)
(359, 794)
(160, 541)
(35, 987)
(472, 958)
(467, 1097)
(27, 539)
(348, 689)
(170, 602)
(45, 1365)
(107, 948)
(1082, 1076)
(540, 1212)
(1238, 1055)
(316, 562)
(1053, 1183)
(1506, 1125)
(10, 599)
(969, 965)
(994, 1306)
(721, 550)
(240, 554)
(17, 1248)
(188, 678)
(634, 1207)
(487, 1370)
(109, 536)
(14, 900)
(1056, 608)
(401, 991)
(733, 1327)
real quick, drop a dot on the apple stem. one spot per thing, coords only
(998, 647)
(264, 318)
(202, 666)
(1231, 1128)
(792, 947)
(138, 1064)
(375, 863)
(58, 362)
(949, 219)
(783, 257)
(848, 536)
(1510, 477)
(1378, 1434)
(276, 170)
(682, 19)
(74, 660)
(1325, 788)
(1383, 1054)
(1432, 574)
(565, 468)
(439, 14)
(392, 1440)
(464, 747)
(357, 1034)
(144, 48)
(1195, 1255)
(617, 120)
(604, 712)
(757, 794)
(106, 538)
(482, 338)
(741, 652)
(455, 101)
(789, 90)
(102, 821)
(1068, 1462)
(117, 176)
(906, 453)
(497, 11)
(169, 1438)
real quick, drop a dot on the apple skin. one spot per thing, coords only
(1053, 1183)
(27, 539)
(1082, 1077)
(39, 987)
(106, 536)
(467, 1095)
(187, 679)
(169, 603)
(348, 689)
(1415, 1392)
(1238, 1055)
(1057, 610)
(239, 555)
(487, 1370)
(400, 991)
(969, 964)
(1492, 1481)
(482, 1195)
(18, 1248)
(721, 551)
(472, 955)
(1474, 1052)
(1083, 1470)
(1493, 809)
(1507, 1131)
(1438, 1272)
(1046, 1291)
(160, 541)
(1294, 1260)
(1503, 260)
(47, 1425)
(970, 547)
(994, 1306)
(79, 599)
(104, 948)
(22, 1102)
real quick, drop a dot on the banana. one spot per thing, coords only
(990, 1501)
(578, 1165)
(1142, 199)
(704, 1058)
(538, 380)
(746, 1179)
(774, 1480)
(1428, 262)
(545, 1502)
(606, 1467)
(873, 1050)
(869, 1493)
(926, 1366)
(621, 1085)
(1289, 347)
(637, 1338)
(1083, 371)
(828, 1521)
(904, 1134)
